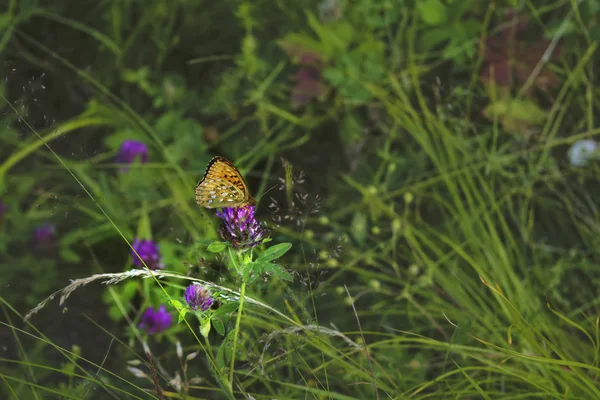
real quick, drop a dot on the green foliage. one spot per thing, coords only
(274, 252)
(430, 233)
(217, 247)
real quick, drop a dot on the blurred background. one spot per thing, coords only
(432, 162)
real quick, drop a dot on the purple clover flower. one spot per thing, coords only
(307, 86)
(307, 83)
(240, 227)
(149, 254)
(155, 321)
(198, 297)
(130, 150)
(43, 237)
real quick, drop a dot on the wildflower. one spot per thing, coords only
(581, 152)
(148, 253)
(240, 227)
(308, 85)
(130, 150)
(155, 321)
(43, 237)
(198, 297)
(330, 10)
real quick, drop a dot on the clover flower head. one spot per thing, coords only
(155, 321)
(130, 150)
(308, 85)
(198, 297)
(148, 253)
(581, 152)
(240, 227)
(44, 236)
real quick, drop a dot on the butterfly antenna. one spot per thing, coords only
(268, 190)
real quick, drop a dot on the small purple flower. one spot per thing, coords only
(240, 227)
(308, 85)
(43, 237)
(130, 150)
(148, 252)
(198, 297)
(155, 321)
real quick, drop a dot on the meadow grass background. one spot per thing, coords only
(444, 246)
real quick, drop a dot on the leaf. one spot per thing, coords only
(343, 31)
(224, 352)
(279, 271)
(226, 309)
(432, 12)
(522, 110)
(335, 41)
(248, 268)
(138, 183)
(203, 242)
(355, 93)
(219, 326)
(457, 9)
(5, 20)
(593, 32)
(217, 247)
(205, 327)
(182, 313)
(180, 308)
(335, 76)
(188, 140)
(69, 255)
(177, 304)
(276, 270)
(359, 227)
(297, 46)
(516, 115)
(274, 252)
(352, 129)
(432, 37)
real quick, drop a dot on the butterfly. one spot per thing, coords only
(222, 186)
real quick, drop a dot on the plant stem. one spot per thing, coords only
(222, 378)
(237, 331)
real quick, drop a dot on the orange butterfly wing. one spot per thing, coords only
(222, 186)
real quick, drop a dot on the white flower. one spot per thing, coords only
(581, 152)
(330, 10)
(138, 372)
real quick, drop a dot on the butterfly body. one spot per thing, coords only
(222, 186)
